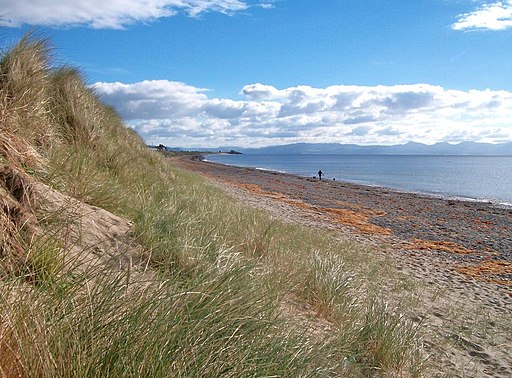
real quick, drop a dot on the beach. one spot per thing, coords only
(461, 249)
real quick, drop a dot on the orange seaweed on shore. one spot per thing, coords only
(253, 188)
(487, 270)
(444, 246)
(256, 189)
(356, 219)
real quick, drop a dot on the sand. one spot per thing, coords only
(458, 255)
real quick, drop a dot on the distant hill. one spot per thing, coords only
(411, 148)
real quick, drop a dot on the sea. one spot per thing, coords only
(474, 178)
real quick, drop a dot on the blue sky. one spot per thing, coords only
(262, 72)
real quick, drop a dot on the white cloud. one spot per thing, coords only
(177, 114)
(155, 99)
(495, 16)
(259, 91)
(110, 14)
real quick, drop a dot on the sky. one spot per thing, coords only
(251, 73)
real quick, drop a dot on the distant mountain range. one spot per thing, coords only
(411, 148)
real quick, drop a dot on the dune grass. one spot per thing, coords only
(215, 305)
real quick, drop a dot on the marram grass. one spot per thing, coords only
(222, 274)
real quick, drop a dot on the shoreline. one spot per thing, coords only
(478, 233)
(497, 202)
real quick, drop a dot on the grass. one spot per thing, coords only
(219, 273)
(194, 227)
(159, 330)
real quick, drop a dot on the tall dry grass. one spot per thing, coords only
(215, 307)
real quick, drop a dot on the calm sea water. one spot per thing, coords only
(486, 178)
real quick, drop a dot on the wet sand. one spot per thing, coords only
(461, 248)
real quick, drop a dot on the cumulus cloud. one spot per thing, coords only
(495, 16)
(259, 92)
(178, 114)
(111, 14)
(152, 99)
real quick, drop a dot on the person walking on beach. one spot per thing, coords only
(320, 173)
